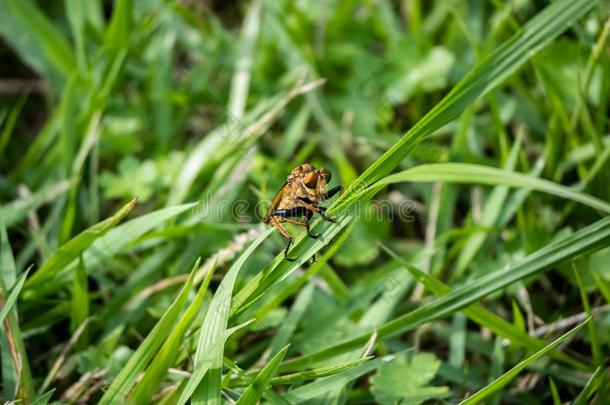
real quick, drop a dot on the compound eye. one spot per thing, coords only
(326, 174)
(311, 180)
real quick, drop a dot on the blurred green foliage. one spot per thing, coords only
(201, 108)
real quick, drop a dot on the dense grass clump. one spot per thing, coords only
(141, 143)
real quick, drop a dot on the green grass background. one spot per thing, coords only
(142, 140)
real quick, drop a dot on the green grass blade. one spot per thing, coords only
(592, 385)
(489, 73)
(324, 385)
(80, 297)
(513, 372)
(554, 392)
(586, 240)
(8, 302)
(214, 325)
(157, 370)
(246, 47)
(16, 375)
(120, 387)
(74, 247)
(476, 174)
(56, 48)
(108, 245)
(255, 391)
(479, 314)
(205, 362)
(287, 328)
(44, 398)
(489, 218)
(596, 349)
(119, 28)
(15, 211)
(320, 372)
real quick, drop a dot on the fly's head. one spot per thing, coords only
(316, 183)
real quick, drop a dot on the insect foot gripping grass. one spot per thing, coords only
(297, 200)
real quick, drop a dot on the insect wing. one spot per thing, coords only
(275, 202)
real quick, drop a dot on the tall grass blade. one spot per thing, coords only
(255, 390)
(507, 377)
(70, 250)
(122, 384)
(586, 240)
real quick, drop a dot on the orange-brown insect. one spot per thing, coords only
(299, 197)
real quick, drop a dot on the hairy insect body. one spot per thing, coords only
(299, 199)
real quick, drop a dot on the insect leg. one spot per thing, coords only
(288, 214)
(319, 210)
(330, 193)
(285, 234)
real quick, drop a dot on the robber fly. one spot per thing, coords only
(298, 199)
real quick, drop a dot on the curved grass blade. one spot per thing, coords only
(537, 33)
(490, 215)
(73, 248)
(44, 398)
(16, 375)
(318, 372)
(167, 355)
(592, 385)
(324, 385)
(513, 372)
(108, 245)
(479, 314)
(56, 48)
(477, 174)
(120, 387)
(7, 304)
(15, 211)
(488, 74)
(255, 391)
(586, 240)
(213, 328)
(206, 361)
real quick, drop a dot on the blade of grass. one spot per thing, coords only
(554, 392)
(7, 304)
(16, 375)
(120, 387)
(513, 372)
(479, 314)
(44, 398)
(241, 78)
(119, 28)
(476, 174)
(324, 385)
(206, 361)
(289, 325)
(74, 247)
(153, 377)
(486, 75)
(55, 46)
(108, 245)
(15, 211)
(491, 214)
(592, 385)
(80, 297)
(586, 240)
(255, 390)
(318, 372)
(596, 349)
(213, 328)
